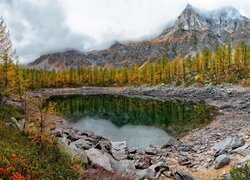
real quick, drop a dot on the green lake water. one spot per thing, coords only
(139, 121)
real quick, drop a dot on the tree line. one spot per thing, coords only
(224, 64)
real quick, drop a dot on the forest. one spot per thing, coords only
(224, 64)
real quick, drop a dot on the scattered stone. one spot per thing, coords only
(98, 158)
(221, 161)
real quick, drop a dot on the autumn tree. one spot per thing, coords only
(7, 58)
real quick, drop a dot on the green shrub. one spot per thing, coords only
(240, 173)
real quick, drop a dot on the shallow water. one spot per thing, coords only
(140, 122)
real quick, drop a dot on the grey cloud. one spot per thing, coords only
(39, 29)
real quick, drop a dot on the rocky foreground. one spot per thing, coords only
(202, 151)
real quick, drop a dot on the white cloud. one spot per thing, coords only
(39, 27)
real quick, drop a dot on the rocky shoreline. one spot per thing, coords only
(224, 141)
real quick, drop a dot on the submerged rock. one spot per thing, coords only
(221, 161)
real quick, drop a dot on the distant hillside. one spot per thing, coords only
(192, 31)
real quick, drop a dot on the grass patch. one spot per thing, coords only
(19, 156)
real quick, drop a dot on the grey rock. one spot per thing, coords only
(18, 125)
(57, 133)
(181, 175)
(98, 158)
(150, 151)
(125, 167)
(132, 150)
(159, 168)
(72, 137)
(82, 144)
(243, 152)
(104, 145)
(72, 150)
(87, 133)
(144, 174)
(227, 144)
(221, 161)
(143, 162)
(119, 150)
(242, 161)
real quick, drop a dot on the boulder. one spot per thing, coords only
(98, 158)
(221, 161)
(119, 150)
(231, 142)
(125, 167)
(181, 175)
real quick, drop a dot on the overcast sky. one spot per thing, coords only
(40, 27)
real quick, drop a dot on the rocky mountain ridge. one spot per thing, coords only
(193, 30)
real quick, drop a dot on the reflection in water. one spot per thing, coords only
(134, 119)
(135, 135)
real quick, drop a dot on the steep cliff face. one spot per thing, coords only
(192, 31)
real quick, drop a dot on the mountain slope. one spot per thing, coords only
(192, 31)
